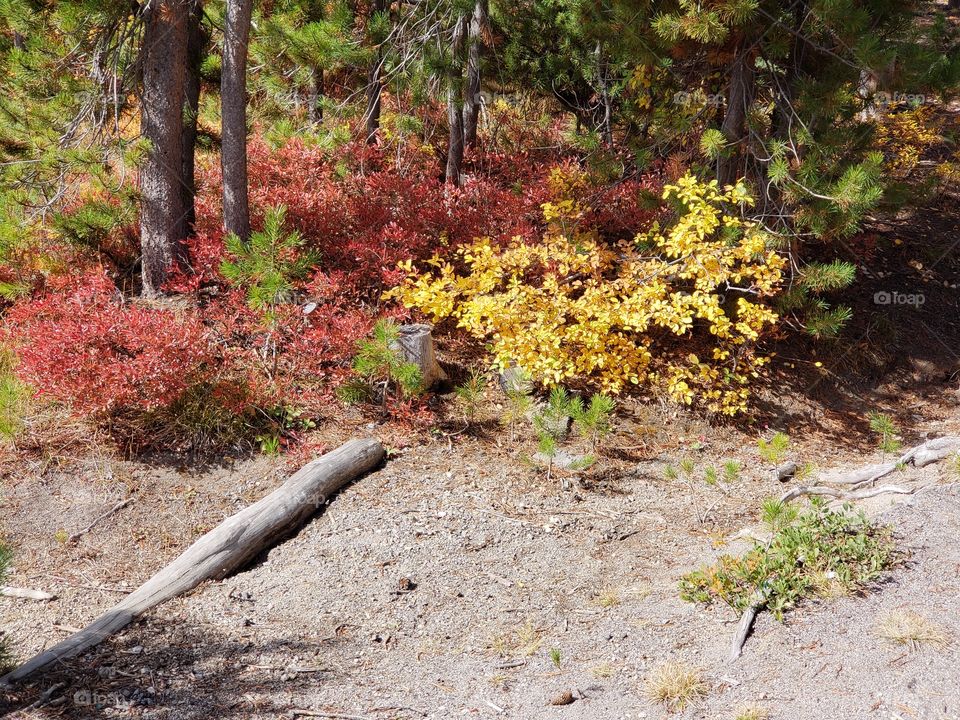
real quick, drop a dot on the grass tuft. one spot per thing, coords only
(675, 685)
(906, 627)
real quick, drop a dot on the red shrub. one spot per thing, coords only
(79, 343)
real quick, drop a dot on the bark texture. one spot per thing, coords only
(162, 212)
(740, 93)
(375, 84)
(196, 41)
(455, 108)
(233, 90)
(472, 101)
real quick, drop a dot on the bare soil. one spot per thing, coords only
(445, 584)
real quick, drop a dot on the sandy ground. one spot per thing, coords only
(457, 582)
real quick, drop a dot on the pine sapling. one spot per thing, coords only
(381, 368)
(887, 432)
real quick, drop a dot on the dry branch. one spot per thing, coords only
(924, 454)
(758, 600)
(26, 593)
(841, 494)
(100, 518)
(228, 547)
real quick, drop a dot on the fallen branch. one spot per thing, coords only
(757, 601)
(841, 494)
(25, 593)
(119, 506)
(920, 456)
(784, 472)
(228, 547)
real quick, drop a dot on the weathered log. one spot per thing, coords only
(920, 456)
(228, 547)
(415, 344)
(842, 494)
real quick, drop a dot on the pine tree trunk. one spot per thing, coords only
(455, 105)
(472, 103)
(191, 109)
(606, 124)
(740, 94)
(162, 211)
(233, 90)
(317, 91)
(375, 84)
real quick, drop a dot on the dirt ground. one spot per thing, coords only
(457, 582)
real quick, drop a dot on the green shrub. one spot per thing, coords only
(809, 553)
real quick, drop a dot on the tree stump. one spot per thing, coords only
(415, 345)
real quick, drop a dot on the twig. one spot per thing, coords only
(25, 593)
(119, 506)
(44, 698)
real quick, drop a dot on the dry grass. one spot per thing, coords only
(607, 598)
(603, 670)
(751, 712)
(829, 587)
(675, 685)
(906, 627)
(524, 640)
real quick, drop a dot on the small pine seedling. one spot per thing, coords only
(594, 420)
(519, 402)
(555, 657)
(731, 471)
(470, 394)
(774, 450)
(381, 368)
(883, 425)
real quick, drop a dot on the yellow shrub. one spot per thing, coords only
(904, 137)
(569, 307)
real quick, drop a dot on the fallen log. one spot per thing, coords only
(228, 547)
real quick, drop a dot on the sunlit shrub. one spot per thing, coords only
(81, 344)
(570, 307)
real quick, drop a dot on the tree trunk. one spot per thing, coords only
(606, 123)
(317, 91)
(472, 101)
(233, 90)
(162, 211)
(415, 345)
(228, 547)
(739, 98)
(455, 104)
(191, 109)
(375, 83)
